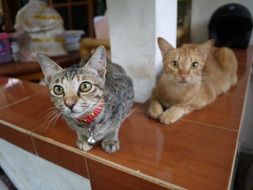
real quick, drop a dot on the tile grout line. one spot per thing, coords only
(18, 101)
(131, 112)
(241, 121)
(210, 125)
(207, 125)
(114, 165)
(242, 113)
(34, 145)
(5, 123)
(87, 168)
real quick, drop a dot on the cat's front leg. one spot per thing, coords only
(173, 114)
(81, 143)
(110, 142)
(155, 109)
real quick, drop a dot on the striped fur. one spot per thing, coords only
(109, 82)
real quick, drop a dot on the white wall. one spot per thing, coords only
(202, 11)
(165, 26)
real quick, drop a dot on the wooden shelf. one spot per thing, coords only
(197, 152)
(31, 70)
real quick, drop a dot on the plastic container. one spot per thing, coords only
(5, 52)
(15, 49)
(101, 27)
(72, 38)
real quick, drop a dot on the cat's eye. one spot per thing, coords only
(194, 65)
(174, 64)
(85, 86)
(58, 90)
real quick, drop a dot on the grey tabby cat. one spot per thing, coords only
(94, 97)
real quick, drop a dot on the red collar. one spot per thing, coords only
(89, 117)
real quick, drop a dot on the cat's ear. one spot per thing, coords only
(48, 66)
(164, 45)
(204, 48)
(98, 61)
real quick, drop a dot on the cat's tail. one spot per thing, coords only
(229, 63)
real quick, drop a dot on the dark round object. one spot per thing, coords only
(231, 25)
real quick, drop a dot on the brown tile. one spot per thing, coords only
(29, 113)
(195, 153)
(16, 137)
(104, 177)
(239, 90)
(59, 131)
(242, 66)
(12, 90)
(61, 156)
(244, 61)
(173, 153)
(225, 112)
(61, 134)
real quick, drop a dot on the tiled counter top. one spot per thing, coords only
(198, 152)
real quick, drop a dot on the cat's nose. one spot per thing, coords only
(70, 106)
(70, 103)
(184, 76)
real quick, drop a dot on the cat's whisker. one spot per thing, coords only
(52, 112)
(46, 123)
(50, 118)
(56, 118)
(69, 103)
(49, 109)
(49, 115)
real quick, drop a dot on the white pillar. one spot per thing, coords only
(134, 27)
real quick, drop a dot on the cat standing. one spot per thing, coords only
(192, 77)
(93, 97)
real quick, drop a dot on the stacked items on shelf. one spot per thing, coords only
(72, 39)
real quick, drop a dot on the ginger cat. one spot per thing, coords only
(192, 77)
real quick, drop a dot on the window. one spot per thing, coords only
(77, 14)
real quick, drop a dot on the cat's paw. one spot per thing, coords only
(155, 110)
(110, 145)
(168, 117)
(83, 145)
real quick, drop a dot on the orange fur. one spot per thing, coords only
(192, 77)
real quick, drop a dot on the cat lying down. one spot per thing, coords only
(193, 76)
